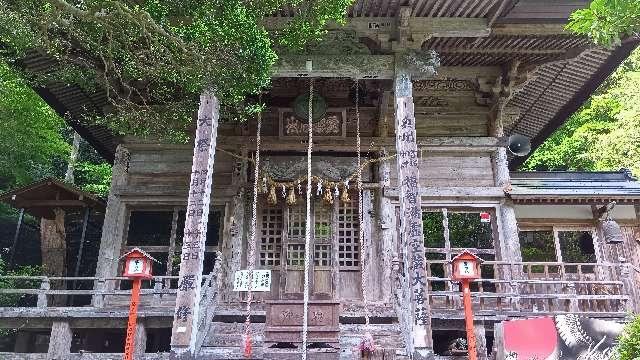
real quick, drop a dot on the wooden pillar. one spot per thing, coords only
(140, 342)
(498, 341)
(481, 341)
(187, 309)
(60, 340)
(16, 236)
(386, 233)
(371, 256)
(509, 243)
(53, 247)
(114, 226)
(234, 228)
(233, 241)
(411, 231)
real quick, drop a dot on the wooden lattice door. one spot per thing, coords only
(320, 269)
(335, 265)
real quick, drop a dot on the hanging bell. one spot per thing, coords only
(327, 197)
(345, 195)
(272, 199)
(291, 198)
(611, 231)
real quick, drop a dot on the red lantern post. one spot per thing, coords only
(466, 267)
(137, 267)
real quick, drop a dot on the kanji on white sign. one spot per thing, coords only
(261, 280)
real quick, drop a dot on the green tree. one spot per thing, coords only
(604, 134)
(607, 21)
(154, 57)
(30, 133)
(628, 347)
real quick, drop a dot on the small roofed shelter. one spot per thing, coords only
(49, 200)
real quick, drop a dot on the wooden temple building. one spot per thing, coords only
(435, 181)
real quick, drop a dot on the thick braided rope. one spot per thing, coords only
(361, 239)
(251, 258)
(307, 232)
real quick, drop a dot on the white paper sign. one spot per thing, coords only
(465, 268)
(261, 280)
(135, 266)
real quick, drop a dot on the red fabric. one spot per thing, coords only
(531, 338)
(247, 347)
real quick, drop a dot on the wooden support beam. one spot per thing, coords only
(368, 67)
(52, 203)
(435, 192)
(432, 144)
(140, 342)
(387, 27)
(371, 258)
(481, 340)
(16, 236)
(115, 223)
(60, 340)
(415, 305)
(386, 231)
(187, 308)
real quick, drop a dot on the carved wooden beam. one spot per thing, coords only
(368, 67)
(445, 144)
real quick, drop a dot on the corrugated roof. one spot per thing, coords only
(618, 185)
(41, 197)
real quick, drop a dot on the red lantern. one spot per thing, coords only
(137, 264)
(137, 267)
(466, 266)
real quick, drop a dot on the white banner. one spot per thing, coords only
(261, 280)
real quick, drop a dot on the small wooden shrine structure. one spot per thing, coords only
(422, 94)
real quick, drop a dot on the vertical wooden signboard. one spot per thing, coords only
(411, 238)
(186, 316)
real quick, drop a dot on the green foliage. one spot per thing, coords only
(604, 134)
(607, 21)
(628, 347)
(30, 133)
(153, 58)
(93, 178)
(8, 300)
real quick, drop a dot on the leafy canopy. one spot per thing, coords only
(30, 133)
(153, 57)
(607, 21)
(604, 134)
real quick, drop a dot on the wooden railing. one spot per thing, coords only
(43, 291)
(524, 287)
(534, 288)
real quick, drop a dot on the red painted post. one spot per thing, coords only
(133, 316)
(468, 319)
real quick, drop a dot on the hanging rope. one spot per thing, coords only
(307, 232)
(251, 257)
(361, 239)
